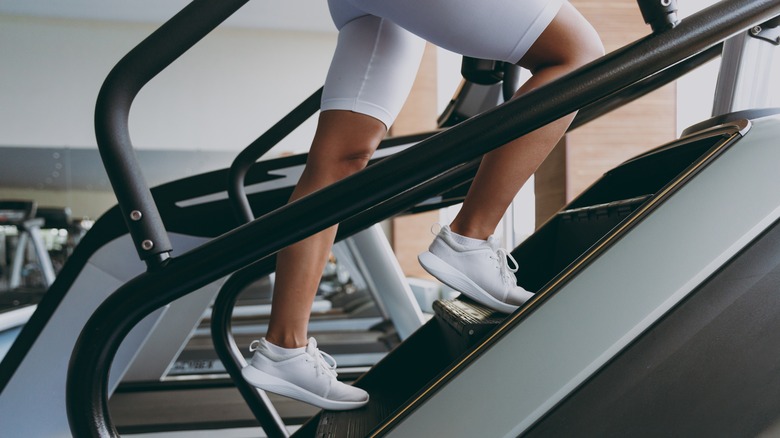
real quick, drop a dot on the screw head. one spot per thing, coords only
(136, 215)
(147, 245)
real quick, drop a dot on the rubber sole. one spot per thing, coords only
(455, 279)
(267, 382)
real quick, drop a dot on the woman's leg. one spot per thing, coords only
(286, 361)
(567, 43)
(371, 74)
(342, 145)
(464, 255)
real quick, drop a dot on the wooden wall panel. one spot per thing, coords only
(604, 143)
(623, 134)
(648, 122)
(550, 184)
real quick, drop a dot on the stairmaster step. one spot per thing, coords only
(469, 319)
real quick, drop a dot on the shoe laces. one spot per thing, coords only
(507, 270)
(322, 362)
(502, 256)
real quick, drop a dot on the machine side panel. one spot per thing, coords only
(605, 307)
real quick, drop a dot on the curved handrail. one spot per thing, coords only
(112, 111)
(259, 147)
(230, 355)
(104, 332)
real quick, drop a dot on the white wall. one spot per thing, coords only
(220, 95)
(696, 89)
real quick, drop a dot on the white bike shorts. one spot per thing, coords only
(381, 42)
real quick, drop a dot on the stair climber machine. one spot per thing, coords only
(170, 352)
(657, 309)
(656, 305)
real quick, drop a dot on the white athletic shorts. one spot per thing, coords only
(381, 42)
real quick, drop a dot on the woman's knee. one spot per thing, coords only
(337, 164)
(351, 162)
(344, 143)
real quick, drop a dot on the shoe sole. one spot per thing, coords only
(455, 279)
(267, 382)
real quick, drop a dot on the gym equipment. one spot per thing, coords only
(348, 203)
(404, 409)
(22, 215)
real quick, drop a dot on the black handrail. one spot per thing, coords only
(259, 147)
(643, 87)
(104, 332)
(229, 353)
(112, 111)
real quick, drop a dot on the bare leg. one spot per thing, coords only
(342, 145)
(568, 43)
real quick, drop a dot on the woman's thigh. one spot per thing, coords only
(373, 68)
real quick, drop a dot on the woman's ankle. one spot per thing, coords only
(287, 340)
(470, 230)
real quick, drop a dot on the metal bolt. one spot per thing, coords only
(471, 332)
(666, 3)
(756, 30)
(147, 245)
(136, 215)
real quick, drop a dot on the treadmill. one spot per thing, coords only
(26, 268)
(30, 270)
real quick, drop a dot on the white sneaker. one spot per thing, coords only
(481, 271)
(308, 375)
